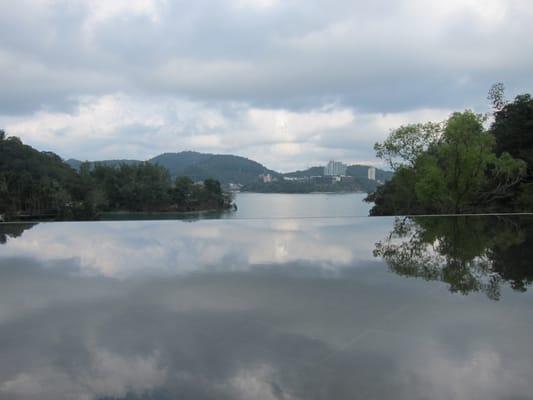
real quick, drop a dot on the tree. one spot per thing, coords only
(497, 96)
(397, 196)
(182, 192)
(4, 193)
(213, 187)
(450, 168)
(34, 183)
(2, 134)
(212, 193)
(462, 172)
(513, 130)
(404, 145)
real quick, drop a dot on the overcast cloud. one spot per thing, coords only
(288, 83)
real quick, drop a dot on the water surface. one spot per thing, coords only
(341, 308)
(279, 205)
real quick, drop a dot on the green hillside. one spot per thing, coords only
(313, 171)
(228, 168)
(200, 166)
(32, 181)
(39, 185)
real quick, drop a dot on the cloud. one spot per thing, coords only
(249, 58)
(121, 126)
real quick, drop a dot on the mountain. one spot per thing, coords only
(177, 162)
(313, 171)
(228, 168)
(200, 166)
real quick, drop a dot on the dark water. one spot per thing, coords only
(354, 308)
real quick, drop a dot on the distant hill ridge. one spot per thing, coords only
(226, 168)
(356, 170)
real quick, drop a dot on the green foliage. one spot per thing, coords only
(405, 144)
(513, 130)
(397, 196)
(497, 96)
(198, 166)
(140, 187)
(37, 184)
(450, 168)
(33, 182)
(454, 172)
(148, 187)
(222, 167)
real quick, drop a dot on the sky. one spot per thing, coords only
(290, 84)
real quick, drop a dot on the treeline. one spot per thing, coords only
(316, 185)
(459, 166)
(37, 184)
(146, 187)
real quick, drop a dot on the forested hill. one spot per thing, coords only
(200, 166)
(32, 180)
(223, 167)
(39, 185)
(357, 171)
(227, 168)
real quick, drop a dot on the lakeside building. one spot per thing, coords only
(266, 178)
(372, 173)
(335, 168)
(296, 178)
(234, 187)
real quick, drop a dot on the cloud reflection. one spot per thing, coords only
(254, 324)
(130, 248)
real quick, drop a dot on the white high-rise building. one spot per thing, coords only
(335, 168)
(372, 173)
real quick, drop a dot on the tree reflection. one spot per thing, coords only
(471, 254)
(13, 231)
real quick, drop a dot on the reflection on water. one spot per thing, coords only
(269, 206)
(471, 254)
(12, 231)
(280, 205)
(285, 309)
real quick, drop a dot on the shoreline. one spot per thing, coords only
(339, 192)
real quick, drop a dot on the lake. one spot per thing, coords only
(269, 205)
(283, 308)
(277, 205)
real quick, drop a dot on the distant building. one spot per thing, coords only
(295, 178)
(372, 173)
(266, 178)
(335, 168)
(234, 187)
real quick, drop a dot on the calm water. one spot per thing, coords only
(340, 308)
(271, 205)
(274, 205)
